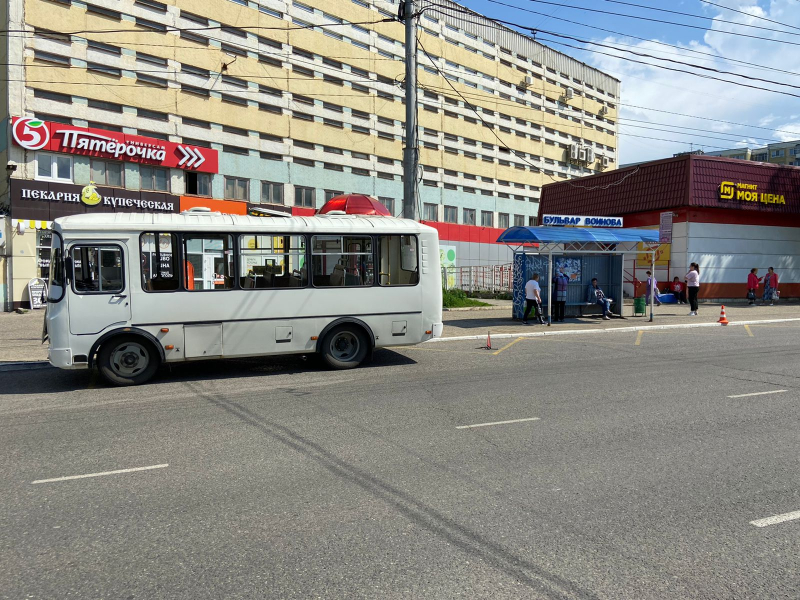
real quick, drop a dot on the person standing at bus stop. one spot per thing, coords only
(753, 281)
(770, 287)
(693, 286)
(560, 283)
(533, 299)
(652, 289)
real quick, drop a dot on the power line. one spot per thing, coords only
(617, 33)
(741, 12)
(662, 21)
(704, 17)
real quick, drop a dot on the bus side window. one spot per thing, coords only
(208, 262)
(97, 269)
(159, 258)
(398, 259)
(342, 261)
(269, 261)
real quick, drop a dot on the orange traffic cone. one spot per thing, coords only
(723, 320)
(488, 340)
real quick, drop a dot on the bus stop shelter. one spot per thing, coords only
(597, 252)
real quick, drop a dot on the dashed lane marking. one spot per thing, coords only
(747, 329)
(790, 516)
(639, 338)
(758, 394)
(497, 423)
(102, 474)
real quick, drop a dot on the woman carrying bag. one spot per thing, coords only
(753, 281)
(770, 287)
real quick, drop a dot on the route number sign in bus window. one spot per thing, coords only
(159, 252)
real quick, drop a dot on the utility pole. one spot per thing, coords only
(411, 150)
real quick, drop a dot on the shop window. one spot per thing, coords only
(159, 262)
(342, 261)
(198, 184)
(53, 167)
(106, 172)
(237, 188)
(399, 263)
(208, 263)
(154, 178)
(271, 193)
(97, 269)
(44, 241)
(272, 261)
(304, 196)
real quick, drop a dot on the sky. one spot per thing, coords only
(663, 112)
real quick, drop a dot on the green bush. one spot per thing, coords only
(459, 299)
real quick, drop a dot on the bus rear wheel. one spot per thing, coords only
(345, 347)
(127, 360)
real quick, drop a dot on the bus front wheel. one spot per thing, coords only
(127, 360)
(345, 347)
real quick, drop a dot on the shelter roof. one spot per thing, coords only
(576, 235)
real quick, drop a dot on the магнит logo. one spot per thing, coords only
(30, 133)
(726, 190)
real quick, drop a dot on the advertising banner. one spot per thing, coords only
(35, 134)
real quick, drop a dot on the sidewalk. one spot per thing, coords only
(498, 319)
(21, 335)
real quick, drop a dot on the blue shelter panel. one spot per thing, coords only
(576, 235)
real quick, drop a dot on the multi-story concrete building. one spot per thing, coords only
(779, 153)
(282, 104)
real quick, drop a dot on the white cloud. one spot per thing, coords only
(710, 100)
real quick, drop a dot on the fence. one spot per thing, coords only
(490, 278)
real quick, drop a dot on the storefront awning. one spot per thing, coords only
(576, 235)
(32, 223)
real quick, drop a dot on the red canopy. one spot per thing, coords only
(356, 204)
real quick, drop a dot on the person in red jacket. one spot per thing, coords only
(678, 288)
(753, 281)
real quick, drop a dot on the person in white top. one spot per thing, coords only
(693, 287)
(533, 299)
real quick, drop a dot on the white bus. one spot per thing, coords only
(129, 292)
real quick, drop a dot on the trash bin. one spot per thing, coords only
(639, 306)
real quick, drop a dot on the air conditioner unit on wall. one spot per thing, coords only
(528, 80)
(573, 152)
(590, 155)
(603, 110)
(569, 93)
(582, 154)
(606, 161)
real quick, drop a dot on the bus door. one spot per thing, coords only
(99, 289)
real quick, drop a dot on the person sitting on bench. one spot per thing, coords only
(595, 295)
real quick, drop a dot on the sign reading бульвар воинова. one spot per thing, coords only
(581, 221)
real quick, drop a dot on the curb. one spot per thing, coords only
(467, 308)
(24, 366)
(462, 338)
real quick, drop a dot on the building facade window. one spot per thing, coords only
(237, 188)
(450, 214)
(331, 194)
(304, 196)
(430, 212)
(469, 216)
(53, 167)
(271, 193)
(487, 218)
(198, 184)
(519, 220)
(154, 179)
(388, 203)
(106, 172)
(502, 220)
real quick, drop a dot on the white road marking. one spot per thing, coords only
(524, 334)
(99, 474)
(758, 394)
(497, 423)
(776, 519)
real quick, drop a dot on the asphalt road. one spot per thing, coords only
(639, 479)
